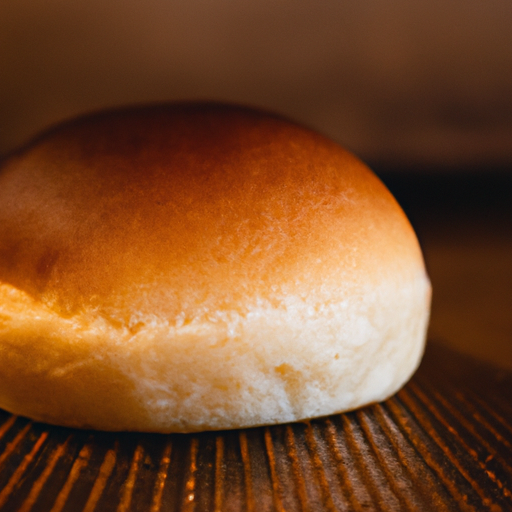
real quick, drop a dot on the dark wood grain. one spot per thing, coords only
(444, 442)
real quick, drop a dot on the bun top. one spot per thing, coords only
(174, 212)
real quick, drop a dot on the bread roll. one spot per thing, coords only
(191, 267)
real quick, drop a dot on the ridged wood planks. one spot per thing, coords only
(443, 443)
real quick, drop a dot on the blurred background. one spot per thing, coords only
(420, 90)
(406, 82)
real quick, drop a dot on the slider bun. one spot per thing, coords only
(192, 267)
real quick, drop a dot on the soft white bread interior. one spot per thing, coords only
(192, 267)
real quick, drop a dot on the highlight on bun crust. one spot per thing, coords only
(190, 267)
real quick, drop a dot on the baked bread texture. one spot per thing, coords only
(188, 267)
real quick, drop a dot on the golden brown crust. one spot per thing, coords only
(172, 210)
(168, 218)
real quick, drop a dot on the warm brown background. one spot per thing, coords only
(401, 80)
(419, 86)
